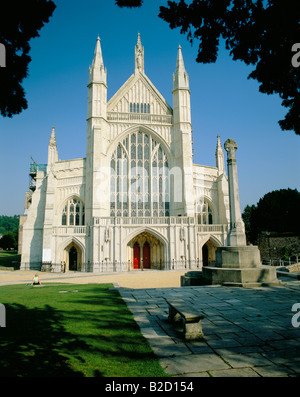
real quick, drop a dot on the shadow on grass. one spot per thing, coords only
(87, 331)
(35, 344)
(10, 259)
(112, 333)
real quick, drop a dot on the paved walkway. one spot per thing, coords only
(248, 332)
(132, 279)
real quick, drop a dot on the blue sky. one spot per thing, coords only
(223, 100)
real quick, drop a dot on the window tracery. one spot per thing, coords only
(139, 185)
(73, 213)
(204, 213)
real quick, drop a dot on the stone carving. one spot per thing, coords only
(139, 55)
(230, 147)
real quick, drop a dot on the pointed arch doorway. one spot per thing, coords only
(209, 253)
(145, 251)
(72, 257)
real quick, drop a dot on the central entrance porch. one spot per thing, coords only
(145, 251)
(72, 257)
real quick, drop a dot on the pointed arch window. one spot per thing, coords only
(204, 213)
(139, 183)
(73, 213)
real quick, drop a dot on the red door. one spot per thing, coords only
(136, 256)
(146, 256)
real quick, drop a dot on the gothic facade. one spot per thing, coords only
(136, 200)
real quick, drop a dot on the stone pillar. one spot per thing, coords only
(237, 264)
(237, 235)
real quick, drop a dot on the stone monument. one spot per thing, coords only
(237, 264)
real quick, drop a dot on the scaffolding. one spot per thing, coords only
(34, 168)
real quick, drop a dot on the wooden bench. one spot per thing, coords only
(191, 318)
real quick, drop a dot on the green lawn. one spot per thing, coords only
(7, 257)
(86, 331)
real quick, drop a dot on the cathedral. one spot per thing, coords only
(137, 200)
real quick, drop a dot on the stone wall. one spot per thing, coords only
(275, 245)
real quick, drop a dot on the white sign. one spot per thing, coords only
(47, 255)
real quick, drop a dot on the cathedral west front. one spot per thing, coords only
(137, 200)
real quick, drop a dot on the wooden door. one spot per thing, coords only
(136, 256)
(146, 256)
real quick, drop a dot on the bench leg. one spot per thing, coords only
(173, 315)
(193, 330)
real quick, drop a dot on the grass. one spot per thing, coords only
(7, 257)
(87, 331)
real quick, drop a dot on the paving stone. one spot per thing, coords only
(282, 344)
(250, 340)
(150, 332)
(269, 335)
(274, 371)
(199, 347)
(223, 352)
(224, 342)
(170, 350)
(193, 363)
(246, 360)
(234, 301)
(248, 332)
(235, 372)
(193, 375)
(282, 356)
(293, 366)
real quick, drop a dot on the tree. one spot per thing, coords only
(9, 223)
(247, 214)
(129, 3)
(259, 33)
(277, 211)
(20, 21)
(8, 241)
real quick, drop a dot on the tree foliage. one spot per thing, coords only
(8, 223)
(9, 240)
(129, 3)
(247, 217)
(259, 33)
(277, 211)
(20, 21)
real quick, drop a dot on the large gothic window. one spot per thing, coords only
(73, 213)
(139, 183)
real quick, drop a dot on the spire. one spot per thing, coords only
(220, 157)
(52, 148)
(97, 71)
(179, 62)
(181, 78)
(139, 56)
(52, 141)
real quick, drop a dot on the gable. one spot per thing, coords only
(139, 93)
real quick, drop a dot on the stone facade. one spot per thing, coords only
(136, 200)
